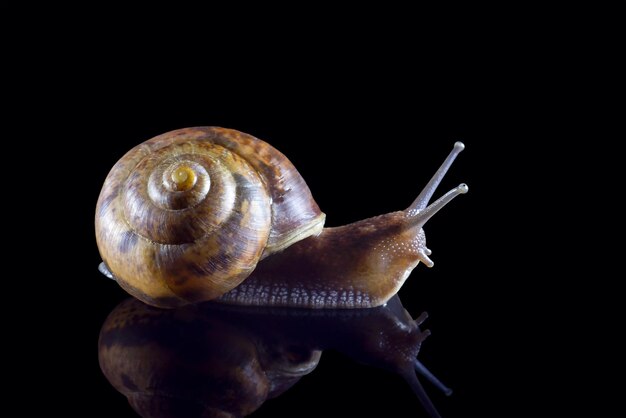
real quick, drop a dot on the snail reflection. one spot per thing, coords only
(216, 360)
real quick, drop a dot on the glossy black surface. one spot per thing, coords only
(525, 307)
(214, 360)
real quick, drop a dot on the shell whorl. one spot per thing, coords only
(186, 216)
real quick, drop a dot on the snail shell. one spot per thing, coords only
(186, 216)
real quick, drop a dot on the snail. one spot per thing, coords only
(215, 360)
(208, 213)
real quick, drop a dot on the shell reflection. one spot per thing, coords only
(214, 360)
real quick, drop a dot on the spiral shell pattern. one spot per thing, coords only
(186, 216)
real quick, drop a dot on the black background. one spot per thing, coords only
(524, 316)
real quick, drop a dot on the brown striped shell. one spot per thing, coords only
(186, 216)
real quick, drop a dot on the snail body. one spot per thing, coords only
(210, 213)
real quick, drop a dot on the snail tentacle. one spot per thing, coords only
(427, 193)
